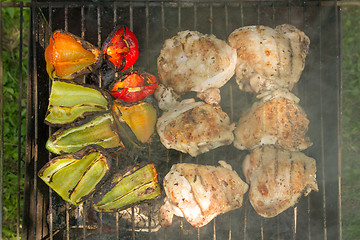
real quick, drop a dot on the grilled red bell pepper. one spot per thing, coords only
(133, 86)
(121, 49)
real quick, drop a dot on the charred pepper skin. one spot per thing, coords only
(134, 86)
(98, 129)
(134, 122)
(68, 56)
(71, 102)
(132, 186)
(75, 177)
(121, 49)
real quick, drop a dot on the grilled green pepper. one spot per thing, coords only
(70, 102)
(98, 130)
(76, 176)
(137, 184)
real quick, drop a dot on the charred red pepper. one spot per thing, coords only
(134, 86)
(121, 49)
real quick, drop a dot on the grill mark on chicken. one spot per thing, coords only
(274, 56)
(191, 61)
(291, 55)
(200, 195)
(293, 121)
(276, 164)
(222, 185)
(278, 120)
(279, 180)
(291, 174)
(279, 57)
(261, 49)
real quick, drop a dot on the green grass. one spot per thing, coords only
(351, 123)
(351, 117)
(11, 71)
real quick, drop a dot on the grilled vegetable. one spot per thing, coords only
(70, 102)
(98, 130)
(135, 185)
(134, 86)
(121, 49)
(76, 176)
(68, 56)
(138, 120)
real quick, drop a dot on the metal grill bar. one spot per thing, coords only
(19, 190)
(252, 226)
(1, 127)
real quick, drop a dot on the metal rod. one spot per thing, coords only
(195, 16)
(147, 35)
(1, 128)
(51, 210)
(66, 18)
(211, 19)
(179, 16)
(19, 175)
(38, 198)
(340, 107)
(60, 4)
(323, 180)
(67, 216)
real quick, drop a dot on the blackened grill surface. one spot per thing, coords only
(314, 217)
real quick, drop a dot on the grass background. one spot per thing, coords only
(11, 70)
(351, 122)
(11, 112)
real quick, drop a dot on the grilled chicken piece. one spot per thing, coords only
(267, 58)
(191, 61)
(165, 97)
(276, 119)
(200, 193)
(277, 179)
(194, 127)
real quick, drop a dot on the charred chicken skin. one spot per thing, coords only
(194, 127)
(267, 58)
(277, 120)
(192, 61)
(200, 193)
(278, 178)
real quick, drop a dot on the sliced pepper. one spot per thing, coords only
(67, 56)
(136, 119)
(76, 176)
(134, 86)
(70, 102)
(121, 49)
(137, 184)
(98, 130)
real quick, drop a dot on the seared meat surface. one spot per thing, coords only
(191, 61)
(278, 178)
(267, 58)
(276, 119)
(200, 193)
(194, 127)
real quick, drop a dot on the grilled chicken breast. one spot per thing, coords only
(200, 193)
(194, 127)
(278, 178)
(192, 61)
(276, 119)
(267, 58)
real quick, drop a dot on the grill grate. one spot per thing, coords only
(314, 217)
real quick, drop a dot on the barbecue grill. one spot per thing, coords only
(317, 216)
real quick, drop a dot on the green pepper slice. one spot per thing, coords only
(76, 176)
(137, 184)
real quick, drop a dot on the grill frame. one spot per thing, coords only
(326, 62)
